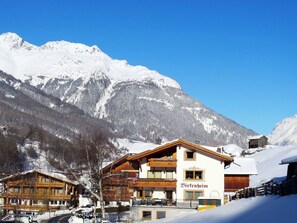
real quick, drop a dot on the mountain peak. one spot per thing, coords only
(285, 132)
(62, 59)
(13, 41)
(75, 48)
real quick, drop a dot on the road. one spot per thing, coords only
(59, 219)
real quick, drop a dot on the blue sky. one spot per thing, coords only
(238, 58)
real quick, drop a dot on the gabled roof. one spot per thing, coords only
(183, 143)
(60, 177)
(117, 162)
(256, 137)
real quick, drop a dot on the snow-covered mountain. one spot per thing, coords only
(22, 106)
(285, 132)
(140, 103)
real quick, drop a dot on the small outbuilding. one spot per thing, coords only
(292, 168)
(237, 175)
(258, 141)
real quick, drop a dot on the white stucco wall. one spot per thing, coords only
(213, 183)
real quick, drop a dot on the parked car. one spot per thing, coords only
(17, 219)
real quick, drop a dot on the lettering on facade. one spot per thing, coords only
(193, 185)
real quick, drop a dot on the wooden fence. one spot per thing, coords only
(268, 188)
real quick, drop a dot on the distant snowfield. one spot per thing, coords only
(134, 146)
(268, 163)
(249, 210)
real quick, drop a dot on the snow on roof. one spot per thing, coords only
(54, 175)
(256, 137)
(242, 166)
(292, 159)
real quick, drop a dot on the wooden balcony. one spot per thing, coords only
(162, 162)
(33, 207)
(37, 184)
(40, 196)
(152, 183)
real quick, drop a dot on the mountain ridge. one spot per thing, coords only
(140, 103)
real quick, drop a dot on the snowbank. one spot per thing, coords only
(258, 209)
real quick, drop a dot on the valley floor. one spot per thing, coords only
(257, 209)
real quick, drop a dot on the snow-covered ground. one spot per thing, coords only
(268, 163)
(134, 146)
(258, 209)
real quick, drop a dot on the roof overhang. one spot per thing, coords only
(186, 144)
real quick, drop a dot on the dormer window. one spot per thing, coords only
(189, 155)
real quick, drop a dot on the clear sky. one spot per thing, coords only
(238, 57)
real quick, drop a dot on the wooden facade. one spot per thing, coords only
(37, 191)
(116, 180)
(258, 141)
(162, 162)
(152, 183)
(292, 171)
(292, 167)
(235, 182)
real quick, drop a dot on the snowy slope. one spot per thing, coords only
(259, 209)
(141, 104)
(268, 163)
(285, 132)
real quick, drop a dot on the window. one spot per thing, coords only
(148, 193)
(161, 214)
(189, 155)
(154, 174)
(140, 193)
(194, 175)
(58, 191)
(144, 193)
(193, 195)
(169, 174)
(17, 189)
(45, 179)
(146, 215)
(32, 190)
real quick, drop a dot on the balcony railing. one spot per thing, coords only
(37, 184)
(153, 201)
(43, 207)
(162, 162)
(152, 182)
(37, 196)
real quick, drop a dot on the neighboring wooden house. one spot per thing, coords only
(177, 173)
(35, 191)
(115, 181)
(258, 141)
(237, 175)
(292, 167)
